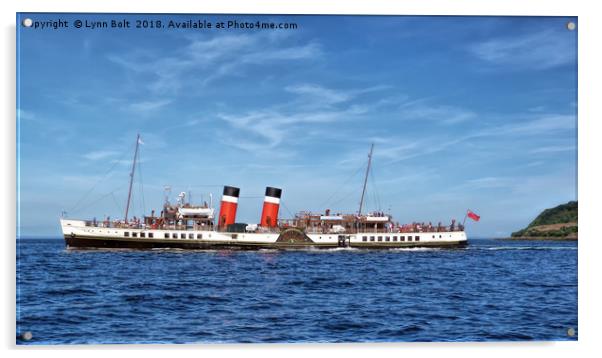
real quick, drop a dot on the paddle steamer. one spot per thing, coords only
(186, 226)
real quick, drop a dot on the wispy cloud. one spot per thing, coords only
(100, 154)
(203, 60)
(323, 94)
(419, 110)
(271, 127)
(538, 50)
(148, 106)
(315, 105)
(537, 109)
(490, 182)
(553, 149)
(25, 115)
(535, 126)
(542, 124)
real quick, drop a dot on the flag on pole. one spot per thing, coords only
(473, 216)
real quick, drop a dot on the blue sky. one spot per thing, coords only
(464, 112)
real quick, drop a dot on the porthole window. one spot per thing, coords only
(174, 236)
(126, 234)
(182, 236)
(199, 236)
(191, 236)
(365, 238)
(151, 235)
(134, 234)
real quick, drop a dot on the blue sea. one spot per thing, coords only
(492, 290)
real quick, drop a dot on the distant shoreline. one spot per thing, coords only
(540, 238)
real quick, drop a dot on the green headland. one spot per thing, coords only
(559, 223)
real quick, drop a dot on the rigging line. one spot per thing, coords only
(376, 194)
(286, 208)
(119, 207)
(197, 186)
(372, 192)
(346, 197)
(99, 199)
(336, 192)
(141, 186)
(79, 202)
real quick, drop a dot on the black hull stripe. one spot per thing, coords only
(106, 242)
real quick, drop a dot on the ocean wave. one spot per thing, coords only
(416, 249)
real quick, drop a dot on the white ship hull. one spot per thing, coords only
(78, 234)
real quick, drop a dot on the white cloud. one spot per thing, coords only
(204, 60)
(539, 126)
(100, 154)
(490, 182)
(26, 115)
(540, 50)
(439, 113)
(320, 93)
(554, 149)
(148, 106)
(317, 105)
(542, 124)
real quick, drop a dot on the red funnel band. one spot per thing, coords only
(227, 210)
(227, 213)
(269, 215)
(271, 205)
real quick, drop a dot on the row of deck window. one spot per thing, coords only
(390, 238)
(167, 235)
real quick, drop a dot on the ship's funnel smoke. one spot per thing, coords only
(271, 205)
(229, 204)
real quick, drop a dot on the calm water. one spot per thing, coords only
(492, 290)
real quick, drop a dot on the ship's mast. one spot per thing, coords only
(359, 213)
(127, 206)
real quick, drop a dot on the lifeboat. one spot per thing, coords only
(207, 212)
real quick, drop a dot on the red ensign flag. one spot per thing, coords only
(473, 216)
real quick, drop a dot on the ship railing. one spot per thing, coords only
(282, 225)
(259, 229)
(319, 230)
(132, 225)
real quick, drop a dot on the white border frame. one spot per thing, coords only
(588, 180)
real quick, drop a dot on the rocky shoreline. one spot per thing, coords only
(541, 238)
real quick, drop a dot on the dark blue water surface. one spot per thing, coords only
(492, 290)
